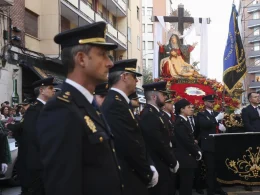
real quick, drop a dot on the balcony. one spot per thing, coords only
(253, 69)
(116, 7)
(253, 39)
(254, 54)
(253, 23)
(6, 3)
(254, 85)
(253, 8)
(82, 14)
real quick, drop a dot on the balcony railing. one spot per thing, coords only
(253, 39)
(254, 54)
(254, 22)
(253, 8)
(86, 10)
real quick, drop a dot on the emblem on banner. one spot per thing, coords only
(248, 166)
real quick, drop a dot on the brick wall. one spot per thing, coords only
(17, 14)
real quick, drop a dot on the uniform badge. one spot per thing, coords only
(131, 114)
(208, 118)
(21, 120)
(90, 124)
(118, 98)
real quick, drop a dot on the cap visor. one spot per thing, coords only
(164, 91)
(107, 46)
(136, 73)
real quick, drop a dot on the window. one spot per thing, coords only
(257, 62)
(149, 28)
(256, 31)
(144, 62)
(256, 46)
(114, 21)
(138, 42)
(255, 2)
(150, 63)
(137, 12)
(65, 24)
(143, 28)
(143, 45)
(129, 33)
(128, 4)
(105, 13)
(150, 45)
(256, 15)
(31, 23)
(257, 77)
(149, 11)
(143, 11)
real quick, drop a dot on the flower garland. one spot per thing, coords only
(230, 103)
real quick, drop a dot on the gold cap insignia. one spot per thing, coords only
(67, 93)
(90, 124)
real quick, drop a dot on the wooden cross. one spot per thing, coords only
(181, 19)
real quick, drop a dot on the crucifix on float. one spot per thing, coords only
(175, 42)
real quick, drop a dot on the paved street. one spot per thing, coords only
(236, 190)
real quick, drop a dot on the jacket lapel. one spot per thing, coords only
(80, 100)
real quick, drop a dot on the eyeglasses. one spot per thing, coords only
(133, 75)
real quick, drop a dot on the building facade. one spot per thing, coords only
(38, 21)
(152, 8)
(250, 32)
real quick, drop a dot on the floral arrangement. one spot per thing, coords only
(201, 87)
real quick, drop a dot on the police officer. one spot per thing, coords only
(137, 172)
(208, 121)
(100, 93)
(167, 112)
(29, 164)
(157, 137)
(76, 144)
(134, 104)
(187, 151)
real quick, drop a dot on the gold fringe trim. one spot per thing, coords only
(238, 182)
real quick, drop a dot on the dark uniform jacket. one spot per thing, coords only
(129, 143)
(30, 167)
(76, 145)
(207, 125)
(186, 148)
(251, 119)
(170, 126)
(157, 140)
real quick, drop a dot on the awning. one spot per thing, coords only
(42, 73)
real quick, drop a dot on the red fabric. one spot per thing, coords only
(196, 100)
(190, 48)
(165, 70)
(161, 49)
(217, 130)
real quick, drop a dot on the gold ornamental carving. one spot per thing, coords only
(248, 166)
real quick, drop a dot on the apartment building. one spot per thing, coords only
(250, 24)
(152, 8)
(38, 21)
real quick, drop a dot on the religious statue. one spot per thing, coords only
(175, 66)
(174, 59)
(175, 43)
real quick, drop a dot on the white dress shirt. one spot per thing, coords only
(81, 89)
(122, 93)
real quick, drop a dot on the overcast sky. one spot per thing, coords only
(219, 13)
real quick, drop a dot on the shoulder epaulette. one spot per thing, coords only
(65, 97)
(118, 98)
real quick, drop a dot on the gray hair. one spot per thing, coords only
(148, 94)
(114, 77)
(68, 54)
